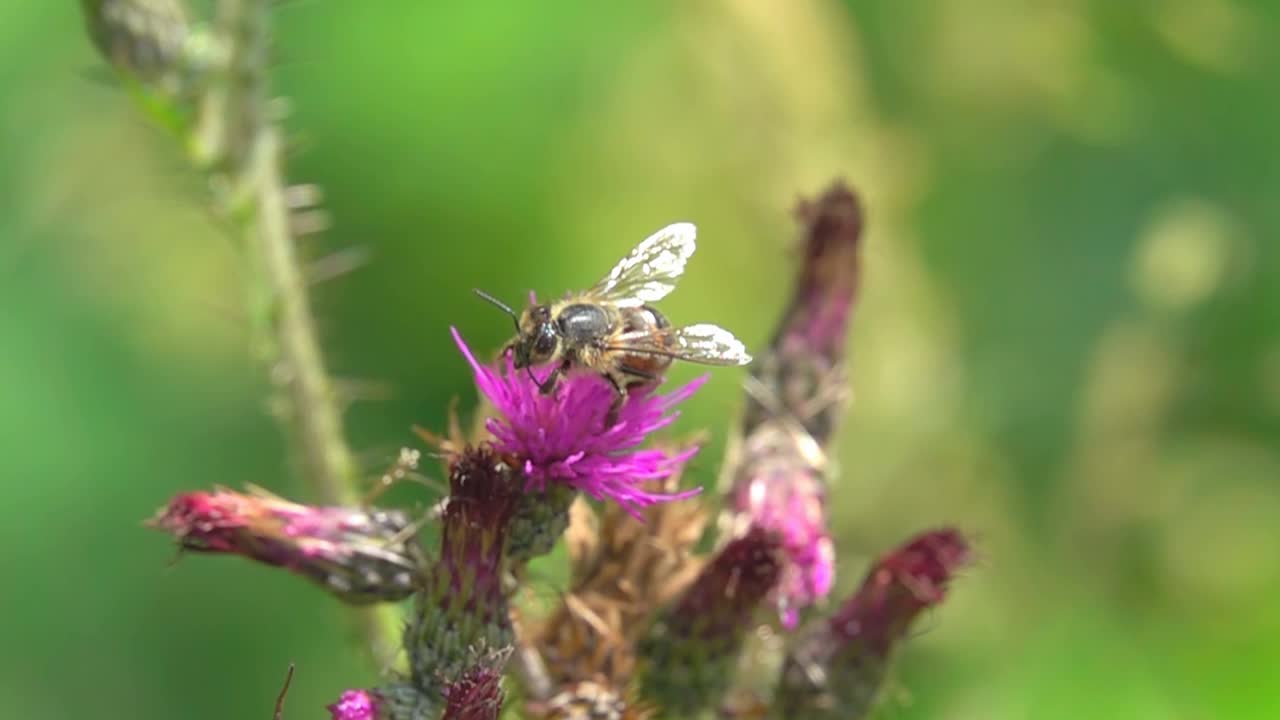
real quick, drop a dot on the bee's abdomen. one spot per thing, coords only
(645, 317)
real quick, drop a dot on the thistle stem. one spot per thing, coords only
(235, 124)
(234, 139)
(299, 365)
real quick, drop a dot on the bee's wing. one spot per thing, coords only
(649, 271)
(704, 343)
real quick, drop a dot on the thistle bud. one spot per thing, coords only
(462, 610)
(837, 668)
(153, 41)
(477, 693)
(539, 521)
(691, 650)
(778, 469)
(402, 701)
(810, 340)
(359, 555)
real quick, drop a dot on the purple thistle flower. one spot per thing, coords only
(560, 437)
(361, 555)
(796, 392)
(837, 668)
(355, 705)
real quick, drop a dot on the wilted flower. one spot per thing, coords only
(690, 652)
(779, 468)
(588, 700)
(836, 670)
(355, 705)
(623, 570)
(462, 610)
(561, 437)
(360, 555)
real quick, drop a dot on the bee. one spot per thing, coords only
(612, 329)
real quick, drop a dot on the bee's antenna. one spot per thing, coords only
(501, 306)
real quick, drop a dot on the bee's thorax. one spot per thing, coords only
(584, 324)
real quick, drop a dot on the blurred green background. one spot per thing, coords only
(1068, 342)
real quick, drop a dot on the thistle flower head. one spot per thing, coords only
(561, 437)
(355, 705)
(838, 667)
(360, 555)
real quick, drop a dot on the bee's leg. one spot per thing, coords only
(547, 384)
(619, 396)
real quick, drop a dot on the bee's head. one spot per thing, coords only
(538, 337)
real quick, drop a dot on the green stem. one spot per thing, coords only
(236, 141)
(296, 364)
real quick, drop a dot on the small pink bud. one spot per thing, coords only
(355, 705)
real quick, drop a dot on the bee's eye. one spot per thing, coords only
(545, 343)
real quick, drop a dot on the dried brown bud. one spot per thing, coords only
(588, 700)
(623, 569)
